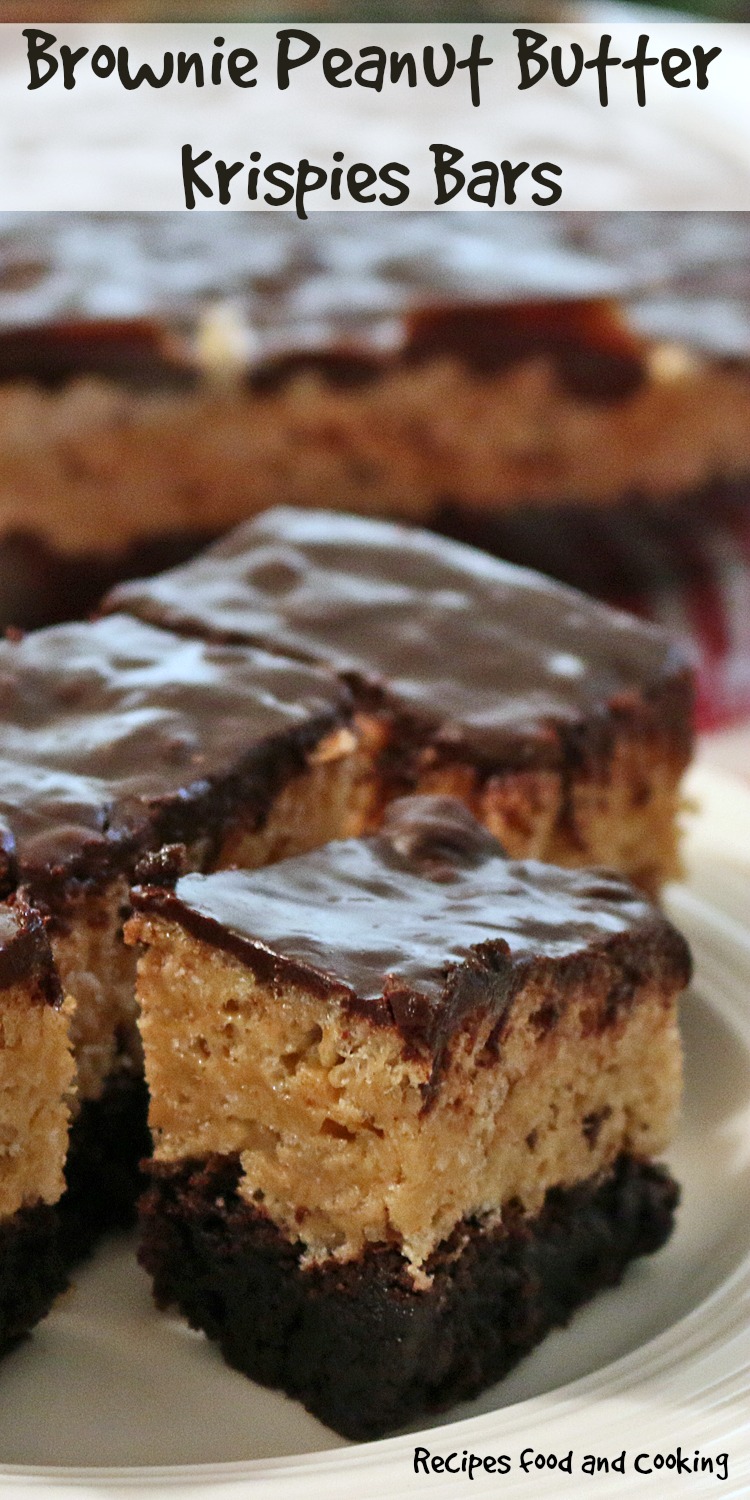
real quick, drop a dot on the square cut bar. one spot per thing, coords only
(563, 725)
(114, 739)
(405, 1097)
(36, 1077)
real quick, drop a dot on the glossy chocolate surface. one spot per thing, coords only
(342, 279)
(481, 658)
(115, 736)
(421, 924)
(595, 356)
(137, 352)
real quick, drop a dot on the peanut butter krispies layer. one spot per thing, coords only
(474, 408)
(36, 1064)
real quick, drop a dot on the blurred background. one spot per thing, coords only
(355, 10)
(163, 375)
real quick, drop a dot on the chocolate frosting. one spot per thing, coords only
(115, 736)
(25, 953)
(137, 352)
(594, 355)
(421, 924)
(480, 657)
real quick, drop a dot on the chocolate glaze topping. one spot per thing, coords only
(421, 924)
(595, 356)
(341, 278)
(115, 737)
(25, 953)
(435, 836)
(479, 656)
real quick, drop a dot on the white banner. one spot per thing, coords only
(265, 117)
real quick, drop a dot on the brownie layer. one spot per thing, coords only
(42, 584)
(357, 1344)
(109, 1139)
(33, 1270)
(628, 551)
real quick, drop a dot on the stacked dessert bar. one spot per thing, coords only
(563, 725)
(515, 425)
(395, 1079)
(405, 1099)
(572, 397)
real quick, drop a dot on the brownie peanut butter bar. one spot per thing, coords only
(36, 1075)
(405, 1100)
(565, 726)
(440, 410)
(114, 739)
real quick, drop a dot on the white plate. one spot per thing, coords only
(109, 1397)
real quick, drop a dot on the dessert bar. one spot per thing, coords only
(36, 1077)
(473, 410)
(405, 1100)
(116, 738)
(564, 725)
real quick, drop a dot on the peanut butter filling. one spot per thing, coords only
(95, 464)
(623, 813)
(96, 967)
(326, 1110)
(36, 1074)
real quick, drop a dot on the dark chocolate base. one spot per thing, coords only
(108, 1140)
(38, 1245)
(32, 1271)
(363, 1350)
